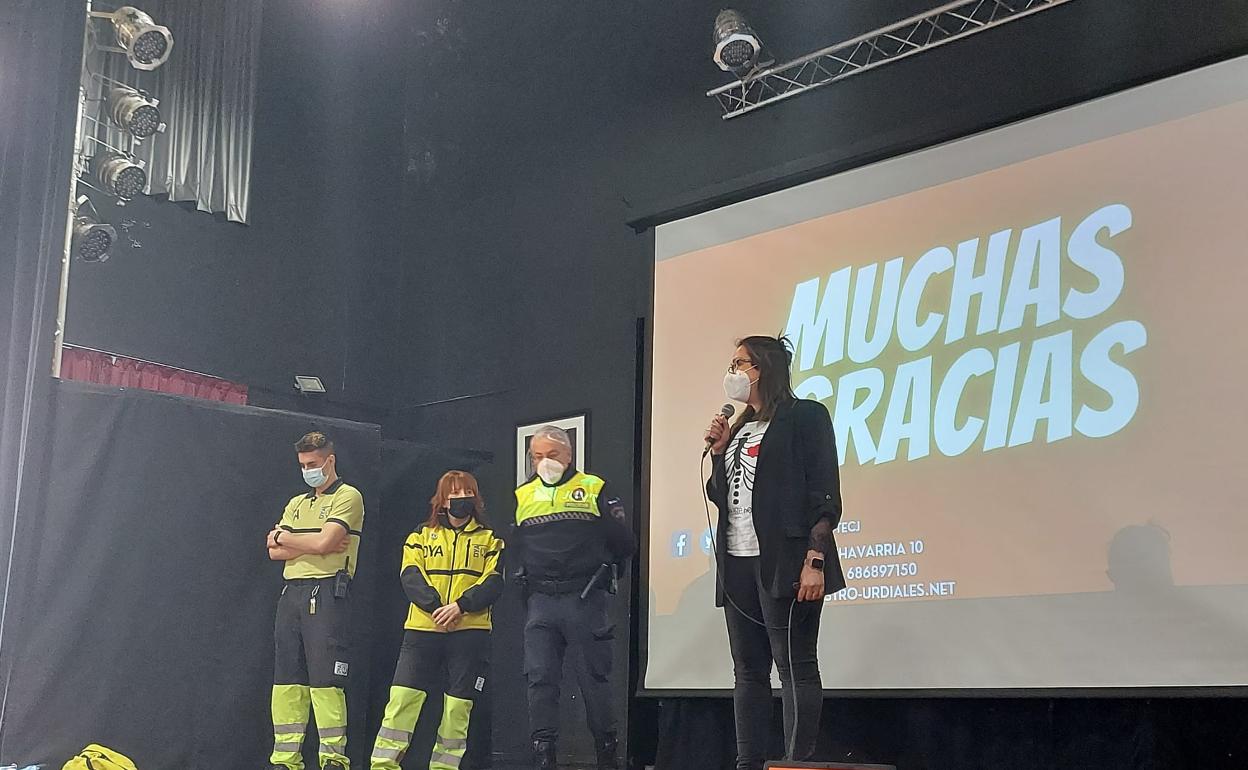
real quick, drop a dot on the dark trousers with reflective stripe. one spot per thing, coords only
(432, 661)
(555, 624)
(310, 669)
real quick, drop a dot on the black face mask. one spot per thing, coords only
(461, 507)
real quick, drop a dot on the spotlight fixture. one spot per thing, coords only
(760, 81)
(145, 43)
(307, 384)
(134, 111)
(91, 238)
(119, 175)
(737, 46)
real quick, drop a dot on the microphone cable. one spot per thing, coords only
(787, 628)
(719, 568)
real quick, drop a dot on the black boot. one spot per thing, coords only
(606, 747)
(543, 755)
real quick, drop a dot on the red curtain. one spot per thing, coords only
(108, 369)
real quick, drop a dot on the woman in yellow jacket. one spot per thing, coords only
(452, 575)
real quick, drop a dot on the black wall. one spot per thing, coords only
(451, 198)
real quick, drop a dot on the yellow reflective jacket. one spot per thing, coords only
(97, 757)
(443, 565)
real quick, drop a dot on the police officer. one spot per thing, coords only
(571, 537)
(318, 538)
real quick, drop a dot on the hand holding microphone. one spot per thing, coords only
(717, 435)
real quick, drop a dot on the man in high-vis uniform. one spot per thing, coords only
(451, 576)
(571, 539)
(318, 538)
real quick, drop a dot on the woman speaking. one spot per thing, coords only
(776, 483)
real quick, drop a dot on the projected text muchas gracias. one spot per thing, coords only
(1044, 293)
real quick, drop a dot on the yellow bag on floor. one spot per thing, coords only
(96, 757)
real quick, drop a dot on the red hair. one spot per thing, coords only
(454, 481)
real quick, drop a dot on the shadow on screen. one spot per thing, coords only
(1183, 628)
(1138, 561)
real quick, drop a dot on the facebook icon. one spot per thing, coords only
(680, 544)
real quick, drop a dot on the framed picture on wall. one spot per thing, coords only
(577, 426)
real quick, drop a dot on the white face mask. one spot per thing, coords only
(550, 470)
(737, 386)
(314, 477)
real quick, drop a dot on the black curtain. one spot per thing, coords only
(38, 87)
(146, 617)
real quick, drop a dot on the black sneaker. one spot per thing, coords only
(543, 755)
(335, 766)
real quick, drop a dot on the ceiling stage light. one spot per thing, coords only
(91, 238)
(737, 46)
(119, 175)
(145, 43)
(134, 111)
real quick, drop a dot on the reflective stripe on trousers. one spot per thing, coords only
(290, 706)
(329, 704)
(397, 724)
(448, 750)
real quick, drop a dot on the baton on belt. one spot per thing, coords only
(599, 574)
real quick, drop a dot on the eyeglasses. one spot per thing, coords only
(739, 365)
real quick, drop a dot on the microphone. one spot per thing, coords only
(727, 410)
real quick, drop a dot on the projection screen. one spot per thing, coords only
(1032, 345)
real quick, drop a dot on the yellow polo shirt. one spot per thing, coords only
(340, 504)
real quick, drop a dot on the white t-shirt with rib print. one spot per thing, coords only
(741, 461)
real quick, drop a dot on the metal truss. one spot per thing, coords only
(922, 32)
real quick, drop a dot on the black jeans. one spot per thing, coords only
(566, 622)
(754, 648)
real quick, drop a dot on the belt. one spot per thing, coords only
(570, 586)
(306, 581)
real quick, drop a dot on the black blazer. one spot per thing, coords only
(797, 483)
